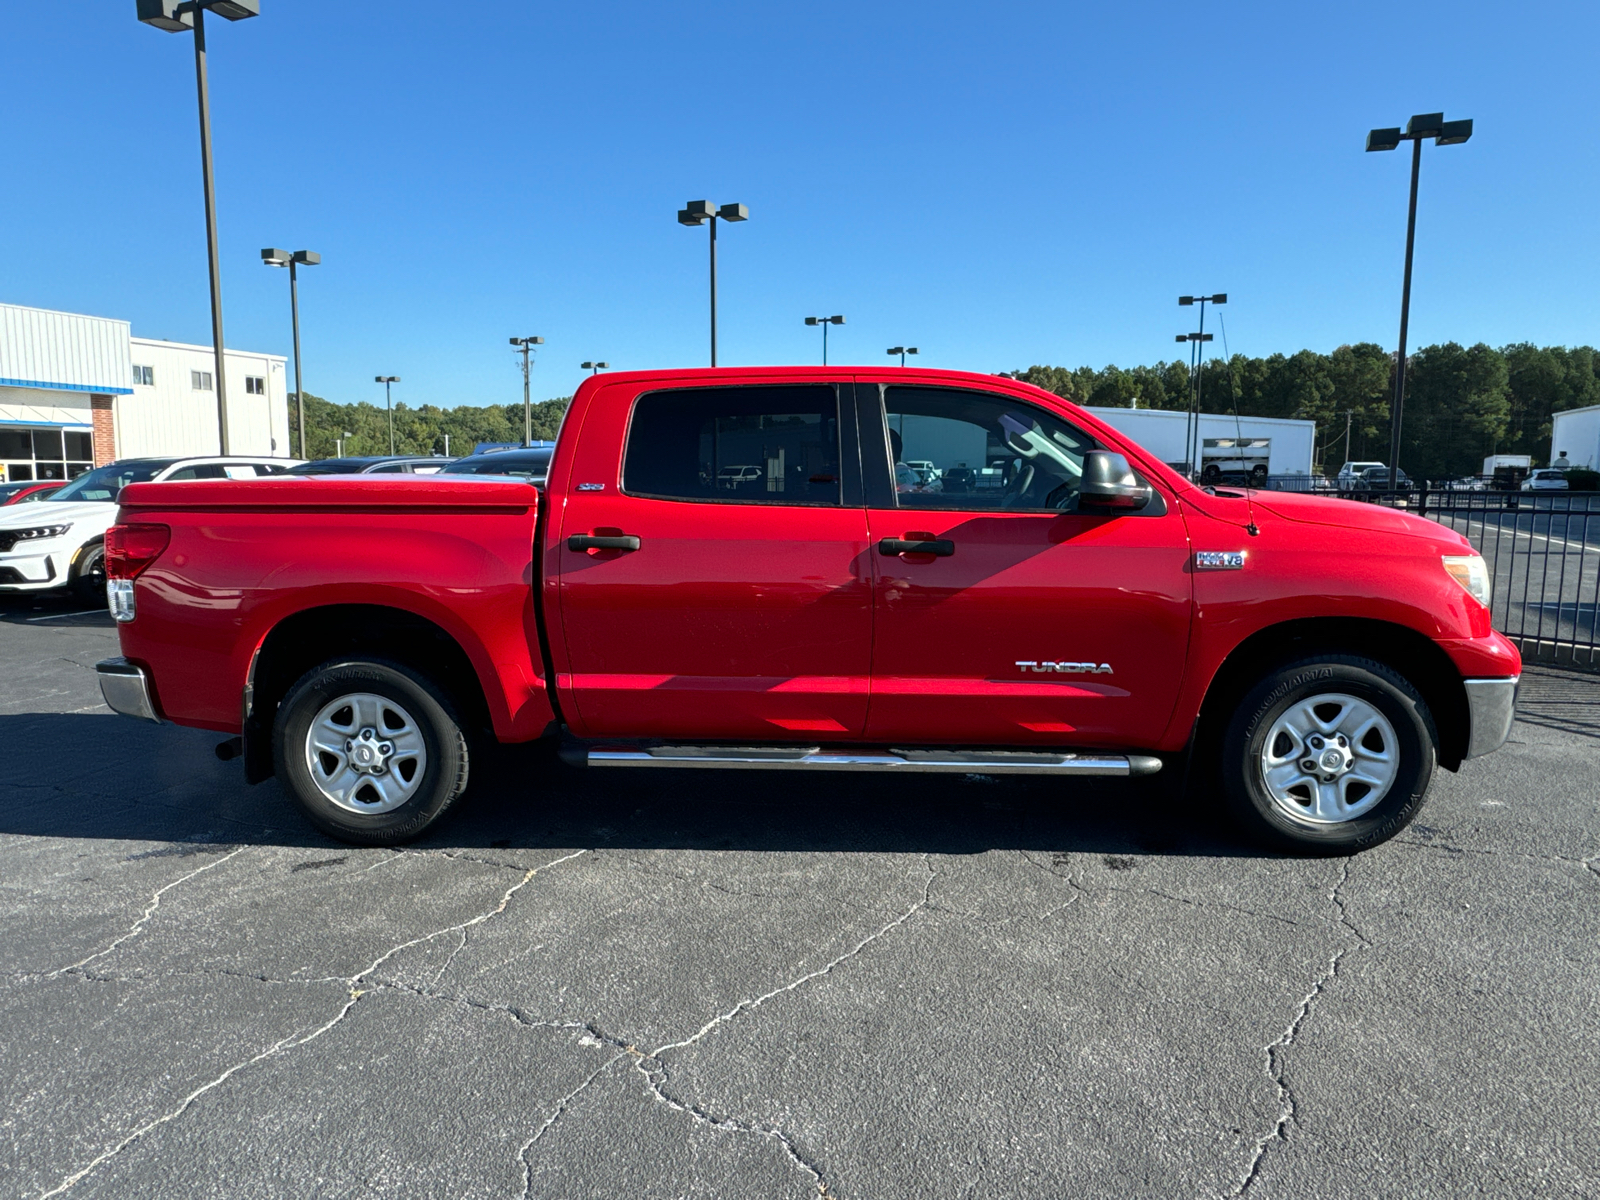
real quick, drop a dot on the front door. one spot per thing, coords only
(720, 585)
(1004, 615)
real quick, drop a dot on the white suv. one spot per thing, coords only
(60, 542)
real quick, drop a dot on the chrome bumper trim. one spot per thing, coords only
(126, 689)
(809, 758)
(1491, 707)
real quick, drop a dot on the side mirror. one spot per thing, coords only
(1109, 482)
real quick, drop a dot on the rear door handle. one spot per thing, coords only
(586, 541)
(942, 547)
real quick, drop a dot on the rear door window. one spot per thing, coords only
(735, 445)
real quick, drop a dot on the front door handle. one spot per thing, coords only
(586, 541)
(940, 547)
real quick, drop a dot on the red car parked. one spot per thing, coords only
(22, 493)
(1068, 606)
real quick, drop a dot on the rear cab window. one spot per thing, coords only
(750, 444)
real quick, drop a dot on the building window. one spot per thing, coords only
(144, 376)
(200, 381)
(255, 385)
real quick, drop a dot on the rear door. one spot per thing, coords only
(703, 602)
(1004, 616)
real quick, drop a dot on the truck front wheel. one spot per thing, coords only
(373, 752)
(1328, 755)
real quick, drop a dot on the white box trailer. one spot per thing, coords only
(1284, 446)
(1576, 433)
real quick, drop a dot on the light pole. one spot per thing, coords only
(594, 368)
(1199, 378)
(703, 212)
(526, 344)
(386, 380)
(902, 351)
(825, 322)
(338, 444)
(283, 258)
(1191, 424)
(1443, 133)
(179, 16)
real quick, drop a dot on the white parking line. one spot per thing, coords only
(1528, 533)
(58, 616)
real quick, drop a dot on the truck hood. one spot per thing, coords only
(1236, 507)
(1351, 514)
(48, 512)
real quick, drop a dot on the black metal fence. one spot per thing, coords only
(1542, 549)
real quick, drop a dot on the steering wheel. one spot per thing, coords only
(1024, 481)
(1063, 497)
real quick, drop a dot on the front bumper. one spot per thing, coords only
(27, 571)
(1491, 707)
(126, 689)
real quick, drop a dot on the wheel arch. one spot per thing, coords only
(312, 636)
(1415, 656)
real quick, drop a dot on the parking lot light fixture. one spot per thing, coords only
(902, 351)
(285, 258)
(1443, 133)
(186, 16)
(825, 322)
(386, 380)
(704, 212)
(526, 345)
(338, 444)
(594, 368)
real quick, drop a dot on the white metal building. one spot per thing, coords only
(1576, 433)
(1286, 446)
(79, 391)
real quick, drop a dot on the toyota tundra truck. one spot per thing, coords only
(737, 569)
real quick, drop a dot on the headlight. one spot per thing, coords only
(1469, 571)
(41, 531)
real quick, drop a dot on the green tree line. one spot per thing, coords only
(1462, 403)
(419, 430)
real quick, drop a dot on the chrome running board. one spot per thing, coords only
(963, 762)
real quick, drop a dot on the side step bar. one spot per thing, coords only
(787, 758)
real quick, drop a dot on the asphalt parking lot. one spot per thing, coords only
(719, 985)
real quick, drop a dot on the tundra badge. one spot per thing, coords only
(1067, 668)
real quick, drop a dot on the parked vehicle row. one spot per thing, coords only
(1076, 608)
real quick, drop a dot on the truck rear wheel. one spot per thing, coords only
(1328, 755)
(372, 751)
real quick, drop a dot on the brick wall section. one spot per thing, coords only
(105, 431)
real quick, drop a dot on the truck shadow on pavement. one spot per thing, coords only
(96, 775)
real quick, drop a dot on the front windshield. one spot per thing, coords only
(103, 484)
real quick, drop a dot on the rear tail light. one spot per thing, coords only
(132, 548)
(129, 550)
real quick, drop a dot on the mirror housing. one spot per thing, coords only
(1109, 483)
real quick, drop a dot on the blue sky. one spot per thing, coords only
(999, 185)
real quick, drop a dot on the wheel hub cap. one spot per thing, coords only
(1329, 758)
(365, 753)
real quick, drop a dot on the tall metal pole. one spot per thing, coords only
(299, 395)
(713, 289)
(1405, 311)
(1199, 387)
(825, 343)
(527, 401)
(389, 404)
(211, 226)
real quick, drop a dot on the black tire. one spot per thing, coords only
(444, 777)
(1245, 790)
(89, 575)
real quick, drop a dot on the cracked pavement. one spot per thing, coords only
(708, 984)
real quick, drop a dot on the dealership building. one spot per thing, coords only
(78, 392)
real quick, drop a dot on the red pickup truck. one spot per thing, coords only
(739, 569)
